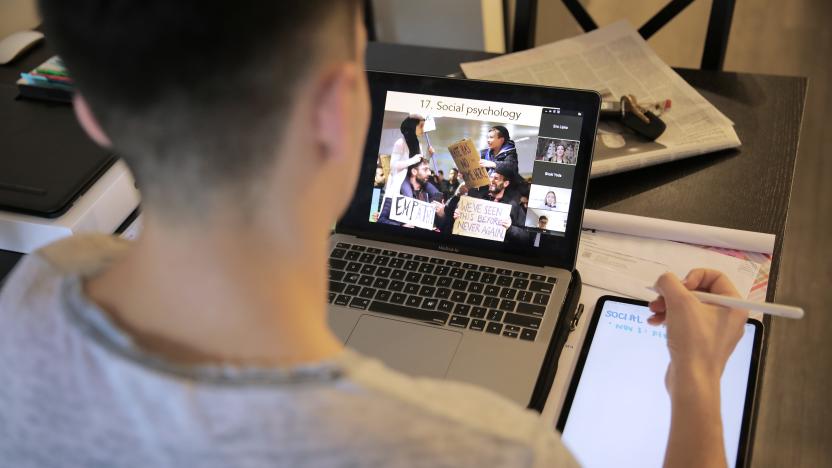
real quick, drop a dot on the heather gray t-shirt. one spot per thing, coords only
(75, 390)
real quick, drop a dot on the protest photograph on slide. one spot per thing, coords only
(472, 168)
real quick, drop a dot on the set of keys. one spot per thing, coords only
(641, 119)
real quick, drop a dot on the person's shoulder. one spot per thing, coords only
(38, 276)
(467, 410)
(511, 197)
(32, 279)
(405, 186)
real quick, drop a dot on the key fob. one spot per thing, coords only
(651, 130)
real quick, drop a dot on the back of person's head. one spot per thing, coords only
(195, 94)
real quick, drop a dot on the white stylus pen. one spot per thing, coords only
(735, 303)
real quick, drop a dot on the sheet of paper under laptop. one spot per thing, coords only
(615, 61)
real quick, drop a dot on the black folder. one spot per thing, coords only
(46, 160)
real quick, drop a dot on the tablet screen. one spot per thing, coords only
(620, 409)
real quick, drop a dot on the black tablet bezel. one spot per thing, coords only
(557, 251)
(750, 393)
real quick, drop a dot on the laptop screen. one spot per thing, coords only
(503, 170)
(483, 169)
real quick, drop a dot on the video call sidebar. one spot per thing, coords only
(561, 125)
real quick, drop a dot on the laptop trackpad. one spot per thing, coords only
(405, 346)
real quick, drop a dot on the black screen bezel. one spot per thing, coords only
(557, 251)
(750, 393)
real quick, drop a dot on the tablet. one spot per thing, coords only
(617, 409)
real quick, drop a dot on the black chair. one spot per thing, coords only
(716, 39)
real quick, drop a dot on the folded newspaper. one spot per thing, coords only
(615, 61)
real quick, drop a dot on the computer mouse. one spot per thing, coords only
(16, 43)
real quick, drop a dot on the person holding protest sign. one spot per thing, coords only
(406, 151)
(500, 190)
(501, 151)
(418, 186)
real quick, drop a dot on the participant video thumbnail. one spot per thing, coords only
(557, 150)
(549, 198)
(546, 220)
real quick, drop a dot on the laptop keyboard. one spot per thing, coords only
(441, 292)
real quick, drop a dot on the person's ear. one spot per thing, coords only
(88, 121)
(338, 94)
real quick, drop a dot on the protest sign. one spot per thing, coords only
(467, 160)
(384, 160)
(413, 212)
(482, 219)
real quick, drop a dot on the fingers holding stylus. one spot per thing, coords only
(674, 292)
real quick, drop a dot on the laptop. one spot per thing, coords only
(470, 277)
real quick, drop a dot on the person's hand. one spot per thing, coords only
(489, 164)
(505, 222)
(431, 151)
(414, 159)
(408, 226)
(700, 337)
(375, 216)
(462, 190)
(440, 208)
(456, 214)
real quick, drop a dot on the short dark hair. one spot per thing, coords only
(542, 218)
(507, 171)
(501, 131)
(440, 172)
(194, 93)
